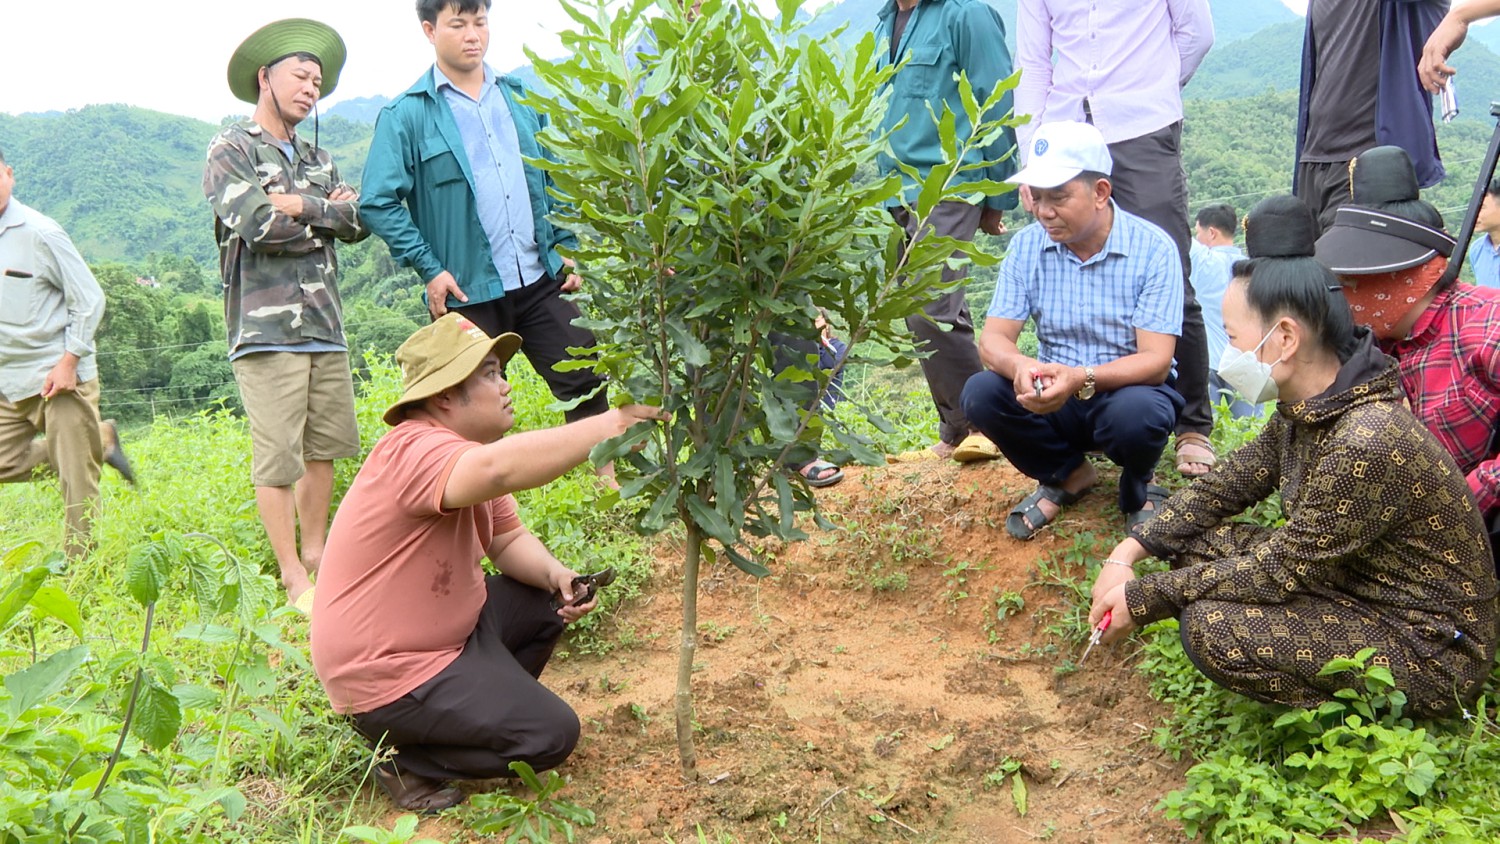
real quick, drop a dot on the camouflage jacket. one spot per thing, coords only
(279, 273)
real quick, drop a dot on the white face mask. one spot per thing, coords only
(1248, 375)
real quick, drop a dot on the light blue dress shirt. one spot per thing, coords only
(1484, 262)
(1212, 267)
(490, 142)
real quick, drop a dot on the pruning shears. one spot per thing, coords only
(1099, 629)
(585, 587)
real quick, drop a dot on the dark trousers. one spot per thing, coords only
(796, 351)
(1130, 425)
(486, 709)
(1149, 182)
(1275, 652)
(544, 319)
(945, 329)
(1324, 186)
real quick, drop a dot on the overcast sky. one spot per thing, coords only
(171, 55)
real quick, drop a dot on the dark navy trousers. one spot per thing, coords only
(1130, 425)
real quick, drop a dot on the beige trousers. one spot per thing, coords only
(70, 448)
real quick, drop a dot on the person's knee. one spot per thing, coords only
(1137, 418)
(556, 743)
(987, 397)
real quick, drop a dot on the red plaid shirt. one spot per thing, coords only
(1450, 370)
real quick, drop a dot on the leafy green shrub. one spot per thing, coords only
(1281, 774)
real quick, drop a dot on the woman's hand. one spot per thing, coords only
(1120, 622)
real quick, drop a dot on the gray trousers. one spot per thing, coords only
(945, 329)
(1149, 182)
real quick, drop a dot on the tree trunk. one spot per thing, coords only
(687, 650)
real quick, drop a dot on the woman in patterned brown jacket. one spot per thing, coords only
(1382, 545)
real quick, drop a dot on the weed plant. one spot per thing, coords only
(159, 690)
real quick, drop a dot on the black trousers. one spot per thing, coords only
(487, 708)
(544, 320)
(1324, 186)
(945, 328)
(1149, 182)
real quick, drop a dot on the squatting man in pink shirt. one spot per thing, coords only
(433, 659)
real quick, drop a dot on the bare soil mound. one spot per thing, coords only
(871, 689)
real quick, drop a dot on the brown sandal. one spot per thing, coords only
(417, 794)
(1194, 449)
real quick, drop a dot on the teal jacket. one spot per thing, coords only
(941, 38)
(418, 190)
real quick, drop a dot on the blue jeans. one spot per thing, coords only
(1130, 425)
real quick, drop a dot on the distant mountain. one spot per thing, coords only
(1271, 60)
(1244, 18)
(359, 109)
(1488, 35)
(126, 182)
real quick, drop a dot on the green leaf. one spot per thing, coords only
(745, 564)
(53, 602)
(283, 730)
(709, 519)
(34, 684)
(157, 715)
(526, 774)
(656, 516)
(19, 591)
(145, 573)
(213, 634)
(195, 696)
(230, 799)
(1018, 793)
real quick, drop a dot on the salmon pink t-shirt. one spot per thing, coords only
(400, 587)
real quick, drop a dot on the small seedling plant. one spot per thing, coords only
(719, 170)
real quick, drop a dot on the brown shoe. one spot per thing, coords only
(114, 455)
(417, 794)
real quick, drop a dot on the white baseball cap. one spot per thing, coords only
(1062, 150)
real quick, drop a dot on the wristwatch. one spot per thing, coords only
(1086, 392)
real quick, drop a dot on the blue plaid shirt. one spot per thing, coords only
(1087, 312)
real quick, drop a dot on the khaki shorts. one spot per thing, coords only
(301, 409)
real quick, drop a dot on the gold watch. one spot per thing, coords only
(1086, 392)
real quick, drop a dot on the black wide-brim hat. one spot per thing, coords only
(1363, 241)
(280, 39)
(1280, 227)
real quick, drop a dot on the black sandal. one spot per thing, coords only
(1155, 495)
(817, 474)
(1027, 517)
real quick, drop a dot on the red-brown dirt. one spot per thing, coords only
(860, 694)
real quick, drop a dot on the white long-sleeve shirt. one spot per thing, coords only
(1129, 59)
